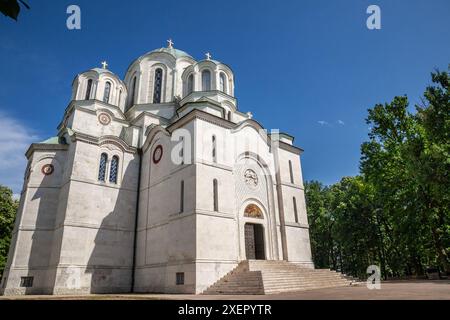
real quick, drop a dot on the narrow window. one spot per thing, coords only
(190, 84)
(102, 167)
(157, 86)
(113, 169)
(88, 89)
(216, 200)
(214, 156)
(182, 196)
(206, 80)
(133, 92)
(107, 92)
(120, 97)
(295, 209)
(182, 150)
(290, 171)
(26, 282)
(223, 82)
(179, 278)
(229, 116)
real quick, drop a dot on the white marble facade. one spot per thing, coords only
(155, 183)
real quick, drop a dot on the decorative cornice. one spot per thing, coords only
(44, 147)
(78, 136)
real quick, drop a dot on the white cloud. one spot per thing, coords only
(15, 139)
(322, 122)
(341, 122)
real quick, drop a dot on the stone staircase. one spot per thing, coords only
(274, 276)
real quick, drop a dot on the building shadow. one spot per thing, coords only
(46, 194)
(111, 261)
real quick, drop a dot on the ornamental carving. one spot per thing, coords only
(47, 169)
(251, 178)
(104, 118)
(253, 211)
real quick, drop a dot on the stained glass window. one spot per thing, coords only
(223, 82)
(216, 199)
(206, 80)
(190, 86)
(88, 89)
(214, 155)
(157, 86)
(107, 92)
(113, 169)
(295, 209)
(133, 92)
(290, 171)
(102, 167)
(182, 196)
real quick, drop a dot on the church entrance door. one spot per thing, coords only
(254, 241)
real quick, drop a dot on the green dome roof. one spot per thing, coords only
(174, 52)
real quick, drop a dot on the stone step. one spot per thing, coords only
(297, 276)
(259, 277)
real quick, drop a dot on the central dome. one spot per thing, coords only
(174, 52)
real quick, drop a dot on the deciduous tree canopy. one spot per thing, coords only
(396, 213)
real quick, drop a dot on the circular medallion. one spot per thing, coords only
(104, 118)
(47, 169)
(251, 178)
(157, 154)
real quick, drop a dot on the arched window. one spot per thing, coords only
(182, 150)
(214, 155)
(216, 199)
(182, 196)
(113, 169)
(290, 171)
(157, 86)
(294, 201)
(88, 89)
(102, 167)
(206, 80)
(107, 92)
(190, 84)
(223, 82)
(133, 92)
(120, 97)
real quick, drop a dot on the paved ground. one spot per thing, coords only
(413, 290)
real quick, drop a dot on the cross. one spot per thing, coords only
(208, 56)
(170, 43)
(250, 115)
(104, 64)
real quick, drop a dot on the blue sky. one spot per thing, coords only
(310, 68)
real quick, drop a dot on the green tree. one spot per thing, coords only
(396, 212)
(11, 8)
(8, 210)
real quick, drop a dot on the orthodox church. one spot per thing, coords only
(156, 182)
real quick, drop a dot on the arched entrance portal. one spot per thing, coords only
(254, 234)
(254, 241)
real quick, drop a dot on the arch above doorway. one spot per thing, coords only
(253, 211)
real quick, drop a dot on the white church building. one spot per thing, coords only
(156, 182)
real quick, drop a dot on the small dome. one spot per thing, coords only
(174, 52)
(101, 70)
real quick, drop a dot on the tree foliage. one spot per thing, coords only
(11, 8)
(395, 214)
(8, 209)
